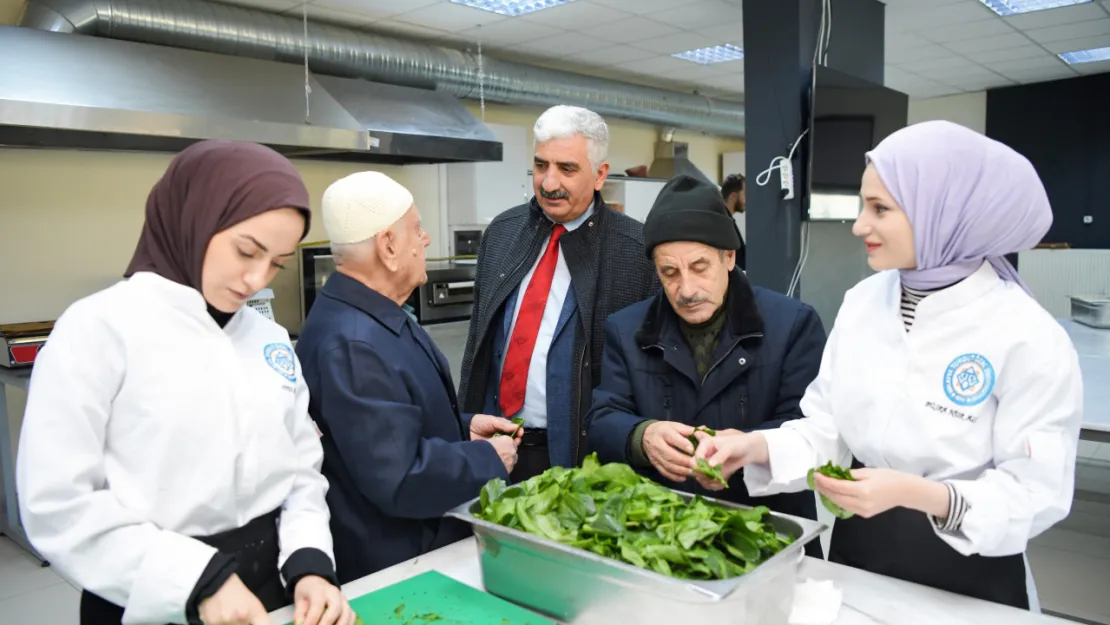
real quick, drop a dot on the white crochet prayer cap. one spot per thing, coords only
(362, 205)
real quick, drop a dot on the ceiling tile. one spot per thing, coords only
(905, 41)
(614, 55)
(450, 17)
(1065, 32)
(405, 29)
(1040, 75)
(983, 44)
(333, 16)
(271, 6)
(678, 42)
(698, 15)
(640, 7)
(629, 29)
(1057, 16)
(1093, 68)
(1007, 54)
(1045, 61)
(969, 30)
(696, 73)
(916, 17)
(557, 45)
(917, 54)
(374, 7)
(1074, 45)
(657, 66)
(949, 63)
(978, 83)
(725, 33)
(507, 32)
(575, 15)
(966, 73)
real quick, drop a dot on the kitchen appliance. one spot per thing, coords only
(448, 294)
(22, 341)
(317, 265)
(578, 587)
(1091, 310)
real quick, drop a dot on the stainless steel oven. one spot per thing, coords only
(448, 295)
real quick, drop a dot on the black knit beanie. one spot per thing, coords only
(688, 209)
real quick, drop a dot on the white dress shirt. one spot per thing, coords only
(534, 411)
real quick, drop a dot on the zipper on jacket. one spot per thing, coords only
(728, 353)
(667, 407)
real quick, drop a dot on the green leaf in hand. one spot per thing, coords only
(837, 473)
(693, 438)
(711, 471)
(518, 421)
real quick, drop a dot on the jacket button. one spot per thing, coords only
(587, 365)
(502, 275)
(584, 432)
(743, 361)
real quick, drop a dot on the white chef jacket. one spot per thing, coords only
(147, 423)
(984, 392)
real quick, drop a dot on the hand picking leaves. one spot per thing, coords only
(835, 472)
(519, 422)
(613, 512)
(703, 466)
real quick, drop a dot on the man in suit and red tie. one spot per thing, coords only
(549, 273)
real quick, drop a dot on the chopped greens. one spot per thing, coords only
(835, 472)
(519, 422)
(613, 512)
(703, 465)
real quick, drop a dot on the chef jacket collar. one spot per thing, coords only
(181, 297)
(956, 296)
(354, 293)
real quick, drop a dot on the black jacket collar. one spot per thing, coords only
(742, 315)
(354, 293)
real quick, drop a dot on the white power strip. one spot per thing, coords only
(786, 178)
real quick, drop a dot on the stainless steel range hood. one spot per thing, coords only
(76, 91)
(671, 159)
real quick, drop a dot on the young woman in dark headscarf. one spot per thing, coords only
(167, 463)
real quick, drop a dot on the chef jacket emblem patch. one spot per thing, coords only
(280, 358)
(969, 380)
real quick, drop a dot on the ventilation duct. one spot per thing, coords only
(345, 52)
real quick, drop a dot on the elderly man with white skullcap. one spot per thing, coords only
(396, 452)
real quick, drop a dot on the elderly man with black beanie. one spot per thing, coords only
(709, 350)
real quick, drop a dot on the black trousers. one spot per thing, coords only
(532, 458)
(901, 543)
(255, 546)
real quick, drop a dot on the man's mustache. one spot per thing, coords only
(691, 301)
(554, 195)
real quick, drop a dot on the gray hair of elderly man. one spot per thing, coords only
(342, 253)
(563, 122)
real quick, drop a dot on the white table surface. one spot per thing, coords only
(869, 599)
(1093, 346)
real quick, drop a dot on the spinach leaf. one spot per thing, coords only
(835, 472)
(613, 512)
(701, 428)
(519, 424)
(711, 471)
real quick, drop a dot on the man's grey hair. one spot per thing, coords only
(344, 252)
(563, 122)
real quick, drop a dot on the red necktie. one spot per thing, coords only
(514, 373)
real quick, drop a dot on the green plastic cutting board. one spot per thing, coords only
(434, 599)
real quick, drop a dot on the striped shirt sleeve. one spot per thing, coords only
(957, 509)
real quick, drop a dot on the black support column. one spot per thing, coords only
(780, 37)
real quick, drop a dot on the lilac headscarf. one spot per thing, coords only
(968, 198)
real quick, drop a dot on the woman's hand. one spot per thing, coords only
(233, 604)
(877, 490)
(316, 601)
(731, 450)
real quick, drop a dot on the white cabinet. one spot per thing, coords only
(634, 195)
(477, 192)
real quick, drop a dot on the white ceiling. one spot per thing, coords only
(933, 47)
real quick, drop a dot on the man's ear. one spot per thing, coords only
(385, 245)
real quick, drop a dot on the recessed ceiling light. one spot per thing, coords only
(713, 54)
(1017, 7)
(1085, 56)
(512, 8)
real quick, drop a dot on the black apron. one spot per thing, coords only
(901, 543)
(255, 546)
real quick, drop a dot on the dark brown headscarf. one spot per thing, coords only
(209, 187)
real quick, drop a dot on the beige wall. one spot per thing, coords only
(10, 10)
(966, 109)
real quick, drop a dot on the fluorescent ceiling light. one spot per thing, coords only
(512, 8)
(1085, 56)
(1017, 7)
(714, 54)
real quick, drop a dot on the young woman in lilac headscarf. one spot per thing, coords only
(167, 462)
(954, 396)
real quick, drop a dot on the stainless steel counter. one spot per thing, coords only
(1093, 347)
(9, 524)
(869, 599)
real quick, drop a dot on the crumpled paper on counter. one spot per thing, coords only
(816, 603)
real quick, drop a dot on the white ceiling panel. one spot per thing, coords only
(917, 54)
(404, 29)
(334, 16)
(969, 30)
(699, 14)
(575, 15)
(984, 44)
(1040, 74)
(1045, 61)
(947, 63)
(450, 17)
(1056, 17)
(1074, 45)
(508, 32)
(642, 7)
(629, 29)
(905, 41)
(917, 17)
(968, 83)
(375, 7)
(1093, 68)
(678, 42)
(1008, 54)
(558, 45)
(725, 33)
(1067, 32)
(966, 74)
(274, 6)
(614, 55)
(658, 66)
(697, 73)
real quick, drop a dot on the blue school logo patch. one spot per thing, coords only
(280, 358)
(969, 380)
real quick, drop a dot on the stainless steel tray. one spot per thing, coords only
(1091, 310)
(578, 587)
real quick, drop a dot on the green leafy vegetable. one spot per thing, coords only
(701, 428)
(519, 422)
(835, 472)
(612, 511)
(703, 466)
